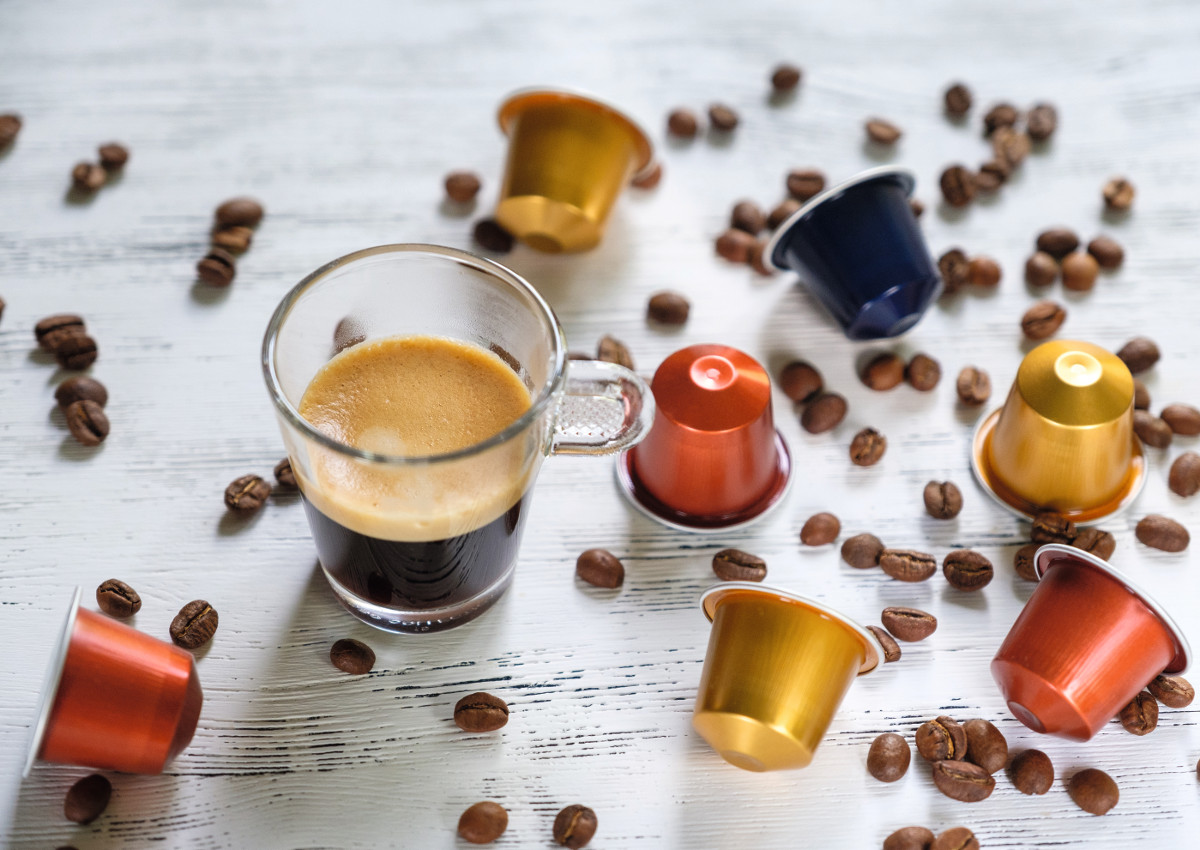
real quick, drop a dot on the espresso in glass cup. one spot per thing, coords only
(418, 390)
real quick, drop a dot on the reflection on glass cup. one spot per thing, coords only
(418, 389)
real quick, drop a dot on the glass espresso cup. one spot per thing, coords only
(413, 541)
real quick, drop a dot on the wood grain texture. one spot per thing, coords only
(344, 120)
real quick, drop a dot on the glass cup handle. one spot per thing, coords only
(605, 408)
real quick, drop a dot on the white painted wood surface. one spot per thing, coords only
(343, 120)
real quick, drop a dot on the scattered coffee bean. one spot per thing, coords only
(758, 259)
(748, 216)
(736, 565)
(1108, 252)
(907, 564)
(883, 132)
(1118, 194)
(884, 372)
(943, 499)
(997, 169)
(1041, 269)
(1049, 527)
(574, 826)
(87, 422)
(247, 494)
(285, 475)
(194, 625)
(612, 350)
(1141, 395)
(117, 599)
(75, 351)
(10, 126)
(1041, 122)
(823, 413)
(963, 781)
(81, 388)
(600, 568)
(909, 838)
(916, 206)
(955, 838)
(51, 330)
(352, 656)
(1079, 271)
(891, 649)
(1023, 562)
(1183, 419)
(462, 186)
(245, 212)
(868, 447)
(1184, 478)
(490, 235)
(1031, 772)
(973, 386)
(648, 178)
(784, 210)
(966, 569)
(668, 308)
(1096, 542)
(1159, 532)
(986, 745)
(483, 823)
(803, 184)
(987, 181)
(923, 372)
(113, 156)
(236, 238)
(1057, 242)
(88, 177)
(218, 268)
(683, 124)
(1042, 320)
(1139, 354)
(1000, 115)
(87, 799)
(1151, 430)
(957, 100)
(1010, 146)
(909, 624)
(734, 245)
(480, 712)
(1140, 714)
(722, 117)
(800, 381)
(862, 551)
(1, 308)
(958, 186)
(983, 271)
(1172, 691)
(953, 266)
(888, 757)
(942, 738)
(785, 77)
(1093, 790)
(820, 529)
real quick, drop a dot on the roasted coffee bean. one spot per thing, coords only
(1108, 252)
(480, 712)
(75, 351)
(1041, 122)
(891, 649)
(1000, 115)
(823, 413)
(1031, 772)
(882, 132)
(113, 156)
(1140, 714)
(983, 271)
(235, 238)
(612, 350)
(758, 259)
(285, 475)
(483, 823)
(1096, 542)
(973, 386)
(784, 210)
(907, 564)
(1079, 271)
(352, 656)
(953, 266)
(957, 100)
(955, 838)
(1057, 242)
(88, 177)
(668, 308)
(909, 624)
(722, 117)
(1010, 146)
(574, 826)
(963, 781)
(87, 799)
(1141, 395)
(820, 529)
(942, 738)
(1023, 561)
(958, 186)
(805, 183)
(909, 838)
(81, 388)
(10, 126)
(218, 268)
(1043, 320)
(490, 235)
(1159, 532)
(1183, 419)
(997, 169)
(194, 625)
(1093, 790)
(800, 381)
(987, 181)
(916, 206)
(986, 745)
(1049, 527)
(1041, 269)
(683, 124)
(1, 308)
(117, 599)
(245, 212)
(53, 329)
(884, 372)
(1118, 194)
(600, 568)
(923, 372)
(648, 178)
(785, 77)
(734, 245)
(867, 447)
(1139, 354)
(462, 186)
(1172, 691)
(888, 757)
(247, 494)
(87, 422)
(943, 499)
(748, 216)
(862, 551)
(1184, 478)
(736, 565)
(1151, 430)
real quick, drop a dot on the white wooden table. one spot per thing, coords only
(343, 120)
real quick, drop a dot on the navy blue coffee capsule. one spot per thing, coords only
(860, 251)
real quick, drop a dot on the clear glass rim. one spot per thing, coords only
(292, 416)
